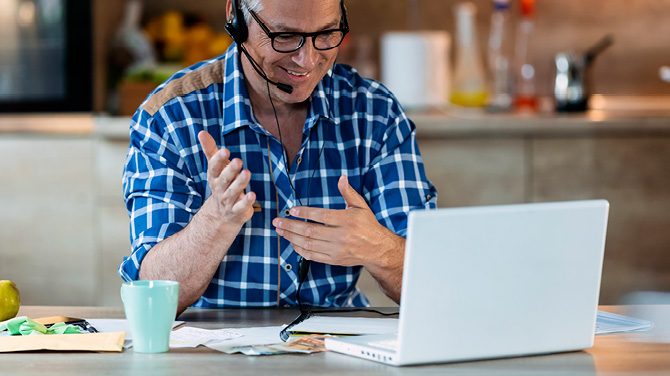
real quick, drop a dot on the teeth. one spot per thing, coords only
(296, 73)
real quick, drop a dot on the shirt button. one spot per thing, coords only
(299, 159)
(287, 213)
(288, 267)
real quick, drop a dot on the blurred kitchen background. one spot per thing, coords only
(519, 101)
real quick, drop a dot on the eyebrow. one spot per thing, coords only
(281, 28)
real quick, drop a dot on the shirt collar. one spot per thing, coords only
(238, 111)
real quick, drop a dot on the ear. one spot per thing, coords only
(229, 9)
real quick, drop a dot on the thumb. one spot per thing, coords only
(208, 144)
(351, 197)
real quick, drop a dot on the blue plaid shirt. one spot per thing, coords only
(354, 127)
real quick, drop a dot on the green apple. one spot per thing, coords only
(10, 300)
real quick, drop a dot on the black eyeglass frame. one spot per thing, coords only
(344, 29)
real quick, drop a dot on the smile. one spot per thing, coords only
(296, 73)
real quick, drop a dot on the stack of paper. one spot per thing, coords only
(193, 337)
(607, 323)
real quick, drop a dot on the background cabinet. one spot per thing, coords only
(48, 227)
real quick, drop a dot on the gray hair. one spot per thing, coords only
(253, 5)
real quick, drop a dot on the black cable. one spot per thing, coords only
(355, 310)
(286, 333)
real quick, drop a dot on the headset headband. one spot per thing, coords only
(237, 28)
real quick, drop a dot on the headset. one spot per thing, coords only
(236, 25)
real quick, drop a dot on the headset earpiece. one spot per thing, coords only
(236, 25)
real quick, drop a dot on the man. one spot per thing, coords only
(232, 177)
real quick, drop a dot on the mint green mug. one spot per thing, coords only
(151, 307)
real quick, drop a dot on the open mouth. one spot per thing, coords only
(295, 75)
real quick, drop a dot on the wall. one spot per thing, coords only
(630, 66)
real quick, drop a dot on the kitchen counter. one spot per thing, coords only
(66, 124)
(430, 124)
(593, 122)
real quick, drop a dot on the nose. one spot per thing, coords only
(307, 56)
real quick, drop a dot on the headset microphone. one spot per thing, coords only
(283, 87)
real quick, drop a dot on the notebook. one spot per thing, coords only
(493, 282)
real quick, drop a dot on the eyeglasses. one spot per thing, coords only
(286, 42)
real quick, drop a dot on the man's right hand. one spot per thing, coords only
(228, 203)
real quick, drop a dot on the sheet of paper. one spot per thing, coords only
(117, 325)
(249, 336)
(193, 337)
(612, 323)
(347, 325)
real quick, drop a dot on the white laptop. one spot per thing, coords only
(492, 282)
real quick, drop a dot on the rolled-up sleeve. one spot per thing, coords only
(160, 196)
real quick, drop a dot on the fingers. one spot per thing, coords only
(229, 174)
(313, 256)
(217, 163)
(332, 217)
(208, 144)
(351, 197)
(227, 177)
(314, 249)
(245, 203)
(306, 229)
(217, 159)
(227, 181)
(235, 190)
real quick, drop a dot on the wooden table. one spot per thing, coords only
(645, 353)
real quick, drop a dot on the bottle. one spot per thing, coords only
(469, 86)
(526, 97)
(500, 58)
(130, 37)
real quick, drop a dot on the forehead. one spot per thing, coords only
(300, 15)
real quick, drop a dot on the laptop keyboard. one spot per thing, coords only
(389, 344)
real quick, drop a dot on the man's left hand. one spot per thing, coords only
(350, 237)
